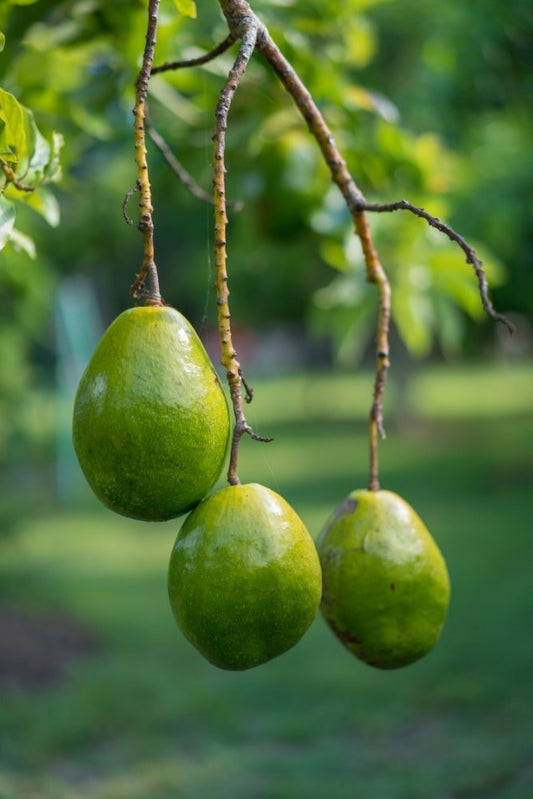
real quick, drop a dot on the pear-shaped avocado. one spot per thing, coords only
(244, 578)
(385, 584)
(151, 421)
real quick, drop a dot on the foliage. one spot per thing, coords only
(27, 162)
(381, 82)
(77, 62)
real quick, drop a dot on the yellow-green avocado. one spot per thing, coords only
(244, 577)
(385, 583)
(151, 421)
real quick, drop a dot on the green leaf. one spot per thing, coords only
(4, 147)
(187, 8)
(2, 41)
(45, 204)
(20, 133)
(22, 243)
(7, 220)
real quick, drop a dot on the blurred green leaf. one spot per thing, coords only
(46, 205)
(186, 8)
(19, 132)
(7, 220)
(22, 243)
(2, 41)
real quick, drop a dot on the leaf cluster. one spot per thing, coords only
(75, 64)
(28, 161)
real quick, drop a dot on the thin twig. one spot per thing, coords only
(12, 178)
(148, 269)
(179, 170)
(196, 62)
(248, 390)
(228, 354)
(471, 256)
(125, 203)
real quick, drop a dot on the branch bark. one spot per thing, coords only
(148, 269)
(356, 203)
(228, 353)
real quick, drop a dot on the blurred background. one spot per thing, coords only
(100, 696)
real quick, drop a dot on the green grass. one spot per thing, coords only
(148, 718)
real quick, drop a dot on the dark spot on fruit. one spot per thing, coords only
(343, 635)
(344, 509)
(392, 587)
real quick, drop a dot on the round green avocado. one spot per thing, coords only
(151, 422)
(244, 577)
(385, 583)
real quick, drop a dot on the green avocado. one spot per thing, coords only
(385, 583)
(151, 422)
(244, 577)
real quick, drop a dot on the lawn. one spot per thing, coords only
(144, 716)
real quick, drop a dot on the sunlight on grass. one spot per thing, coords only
(473, 392)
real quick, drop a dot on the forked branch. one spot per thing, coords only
(471, 256)
(245, 26)
(239, 17)
(355, 202)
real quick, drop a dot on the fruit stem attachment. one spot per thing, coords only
(377, 275)
(228, 354)
(145, 225)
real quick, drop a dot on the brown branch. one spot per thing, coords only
(12, 178)
(228, 354)
(148, 269)
(125, 202)
(356, 202)
(471, 256)
(196, 62)
(241, 19)
(248, 390)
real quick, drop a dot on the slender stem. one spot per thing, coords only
(355, 202)
(228, 354)
(12, 178)
(471, 256)
(179, 170)
(196, 62)
(148, 270)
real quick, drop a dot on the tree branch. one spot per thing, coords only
(12, 178)
(245, 25)
(471, 256)
(146, 226)
(196, 62)
(228, 354)
(179, 170)
(356, 203)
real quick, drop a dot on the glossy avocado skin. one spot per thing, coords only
(244, 577)
(151, 421)
(385, 583)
